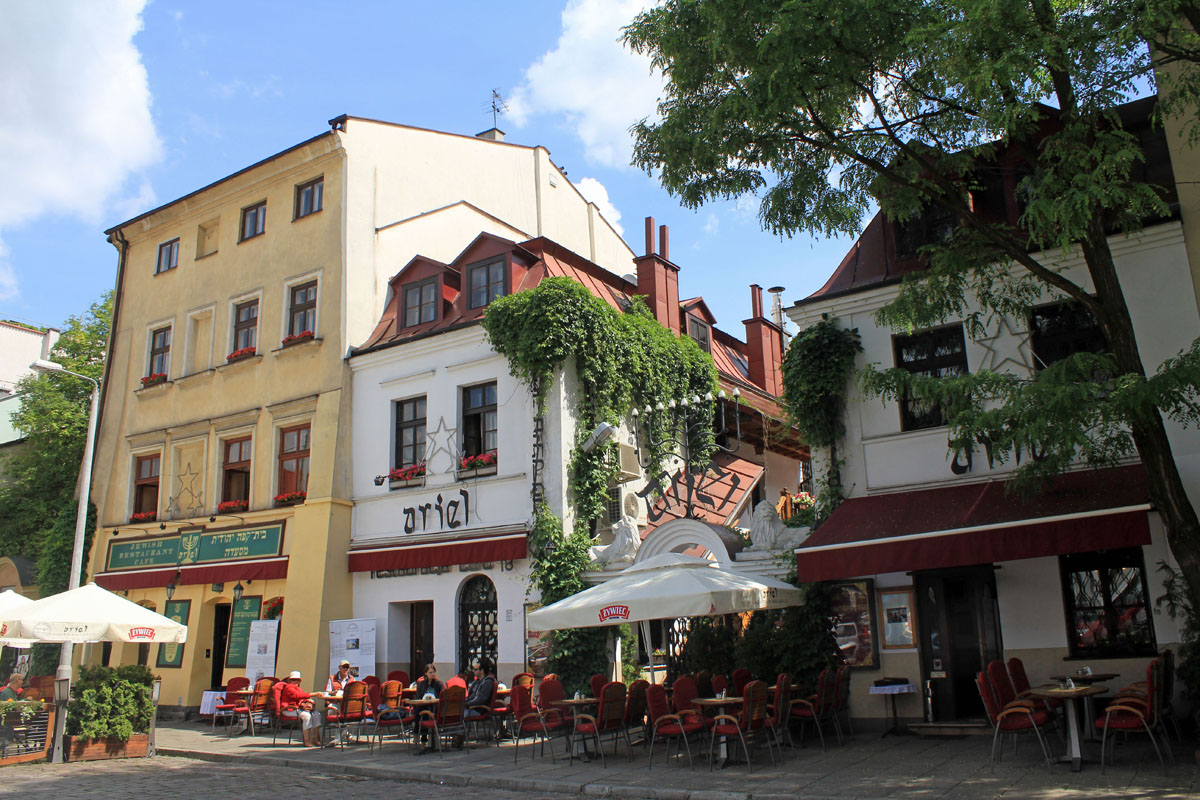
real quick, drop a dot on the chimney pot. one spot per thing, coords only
(650, 236)
(664, 248)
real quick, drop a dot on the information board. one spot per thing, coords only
(195, 547)
(170, 654)
(353, 640)
(245, 611)
(260, 656)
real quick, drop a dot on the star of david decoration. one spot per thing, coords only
(441, 439)
(188, 499)
(992, 360)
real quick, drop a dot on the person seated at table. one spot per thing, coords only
(429, 683)
(13, 690)
(293, 699)
(338, 680)
(479, 693)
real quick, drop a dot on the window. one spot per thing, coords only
(487, 283)
(160, 351)
(293, 459)
(698, 330)
(1062, 330)
(254, 220)
(939, 353)
(145, 484)
(932, 225)
(309, 197)
(168, 256)
(1106, 608)
(235, 483)
(410, 432)
(302, 315)
(245, 325)
(420, 303)
(479, 419)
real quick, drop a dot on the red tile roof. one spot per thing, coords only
(718, 498)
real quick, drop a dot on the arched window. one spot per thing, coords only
(477, 622)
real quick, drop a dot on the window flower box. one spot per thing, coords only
(290, 498)
(403, 477)
(232, 506)
(476, 466)
(297, 338)
(238, 355)
(143, 516)
(154, 379)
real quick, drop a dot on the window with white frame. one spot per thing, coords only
(302, 308)
(310, 197)
(168, 256)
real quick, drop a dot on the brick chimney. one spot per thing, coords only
(764, 346)
(658, 278)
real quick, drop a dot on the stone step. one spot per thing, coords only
(951, 728)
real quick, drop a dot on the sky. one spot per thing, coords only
(113, 107)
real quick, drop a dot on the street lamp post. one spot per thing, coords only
(85, 477)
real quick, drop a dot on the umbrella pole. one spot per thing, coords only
(649, 644)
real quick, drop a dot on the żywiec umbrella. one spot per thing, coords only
(11, 600)
(88, 614)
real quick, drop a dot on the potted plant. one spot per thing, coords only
(232, 506)
(290, 498)
(154, 379)
(31, 741)
(296, 338)
(477, 465)
(238, 355)
(143, 516)
(412, 475)
(273, 608)
(109, 713)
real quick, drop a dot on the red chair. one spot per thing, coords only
(486, 713)
(281, 717)
(523, 679)
(1134, 712)
(353, 708)
(258, 707)
(398, 675)
(778, 712)
(1020, 684)
(226, 705)
(819, 708)
(597, 683)
(1016, 718)
(550, 695)
(751, 723)
(609, 719)
(667, 726)
(704, 683)
(841, 701)
(720, 684)
(448, 721)
(529, 721)
(740, 677)
(390, 713)
(635, 706)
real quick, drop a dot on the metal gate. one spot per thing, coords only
(478, 632)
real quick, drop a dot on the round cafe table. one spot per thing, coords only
(578, 704)
(419, 704)
(718, 704)
(1070, 698)
(1087, 680)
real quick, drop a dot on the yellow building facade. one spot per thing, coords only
(222, 460)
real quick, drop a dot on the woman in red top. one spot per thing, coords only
(295, 701)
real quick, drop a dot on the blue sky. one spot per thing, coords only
(115, 107)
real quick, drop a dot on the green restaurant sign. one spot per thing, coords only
(195, 547)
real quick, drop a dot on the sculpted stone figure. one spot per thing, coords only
(768, 533)
(624, 547)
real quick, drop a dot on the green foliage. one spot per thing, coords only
(816, 370)
(1179, 606)
(710, 645)
(24, 710)
(111, 703)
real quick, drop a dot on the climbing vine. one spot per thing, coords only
(816, 371)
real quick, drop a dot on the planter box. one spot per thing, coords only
(285, 503)
(404, 484)
(477, 472)
(34, 741)
(79, 749)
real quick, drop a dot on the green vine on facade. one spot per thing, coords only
(816, 371)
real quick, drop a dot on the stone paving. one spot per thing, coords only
(864, 767)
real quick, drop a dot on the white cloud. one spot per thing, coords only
(77, 119)
(712, 223)
(599, 86)
(595, 192)
(8, 278)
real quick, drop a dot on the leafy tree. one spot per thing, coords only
(825, 109)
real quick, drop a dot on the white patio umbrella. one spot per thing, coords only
(10, 600)
(665, 586)
(88, 614)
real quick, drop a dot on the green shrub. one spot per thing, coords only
(108, 703)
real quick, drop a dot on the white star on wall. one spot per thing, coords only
(1001, 341)
(441, 439)
(187, 498)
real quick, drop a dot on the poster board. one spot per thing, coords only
(353, 640)
(854, 628)
(170, 654)
(245, 611)
(260, 651)
(898, 615)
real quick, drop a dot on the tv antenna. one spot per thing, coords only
(498, 107)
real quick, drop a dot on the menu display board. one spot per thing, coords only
(245, 611)
(260, 658)
(170, 654)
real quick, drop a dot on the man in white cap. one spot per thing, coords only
(295, 703)
(338, 680)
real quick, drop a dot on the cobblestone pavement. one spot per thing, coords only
(187, 779)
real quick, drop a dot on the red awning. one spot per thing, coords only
(978, 523)
(507, 547)
(225, 571)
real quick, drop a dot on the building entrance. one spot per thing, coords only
(421, 630)
(478, 632)
(221, 613)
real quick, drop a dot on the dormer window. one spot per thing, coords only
(420, 302)
(698, 330)
(934, 225)
(486, 282)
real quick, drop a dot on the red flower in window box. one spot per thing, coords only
(238, 355)
(143, 516)
(408, 473)
(487, 459)
(153, 379)
(290, 498)
(302, 336)
(232, 506)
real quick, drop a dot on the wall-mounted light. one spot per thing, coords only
(218, 588)
(237, 592)
(603, 432)
(171, 588)
(379, 479)
(162, 526)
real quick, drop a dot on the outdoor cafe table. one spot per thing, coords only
(579, 703)
(419, 704)
(1089, 713)
(1070, 697)
(1088, 680)
(717, 704)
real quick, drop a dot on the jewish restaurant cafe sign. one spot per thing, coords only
(195, 547)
